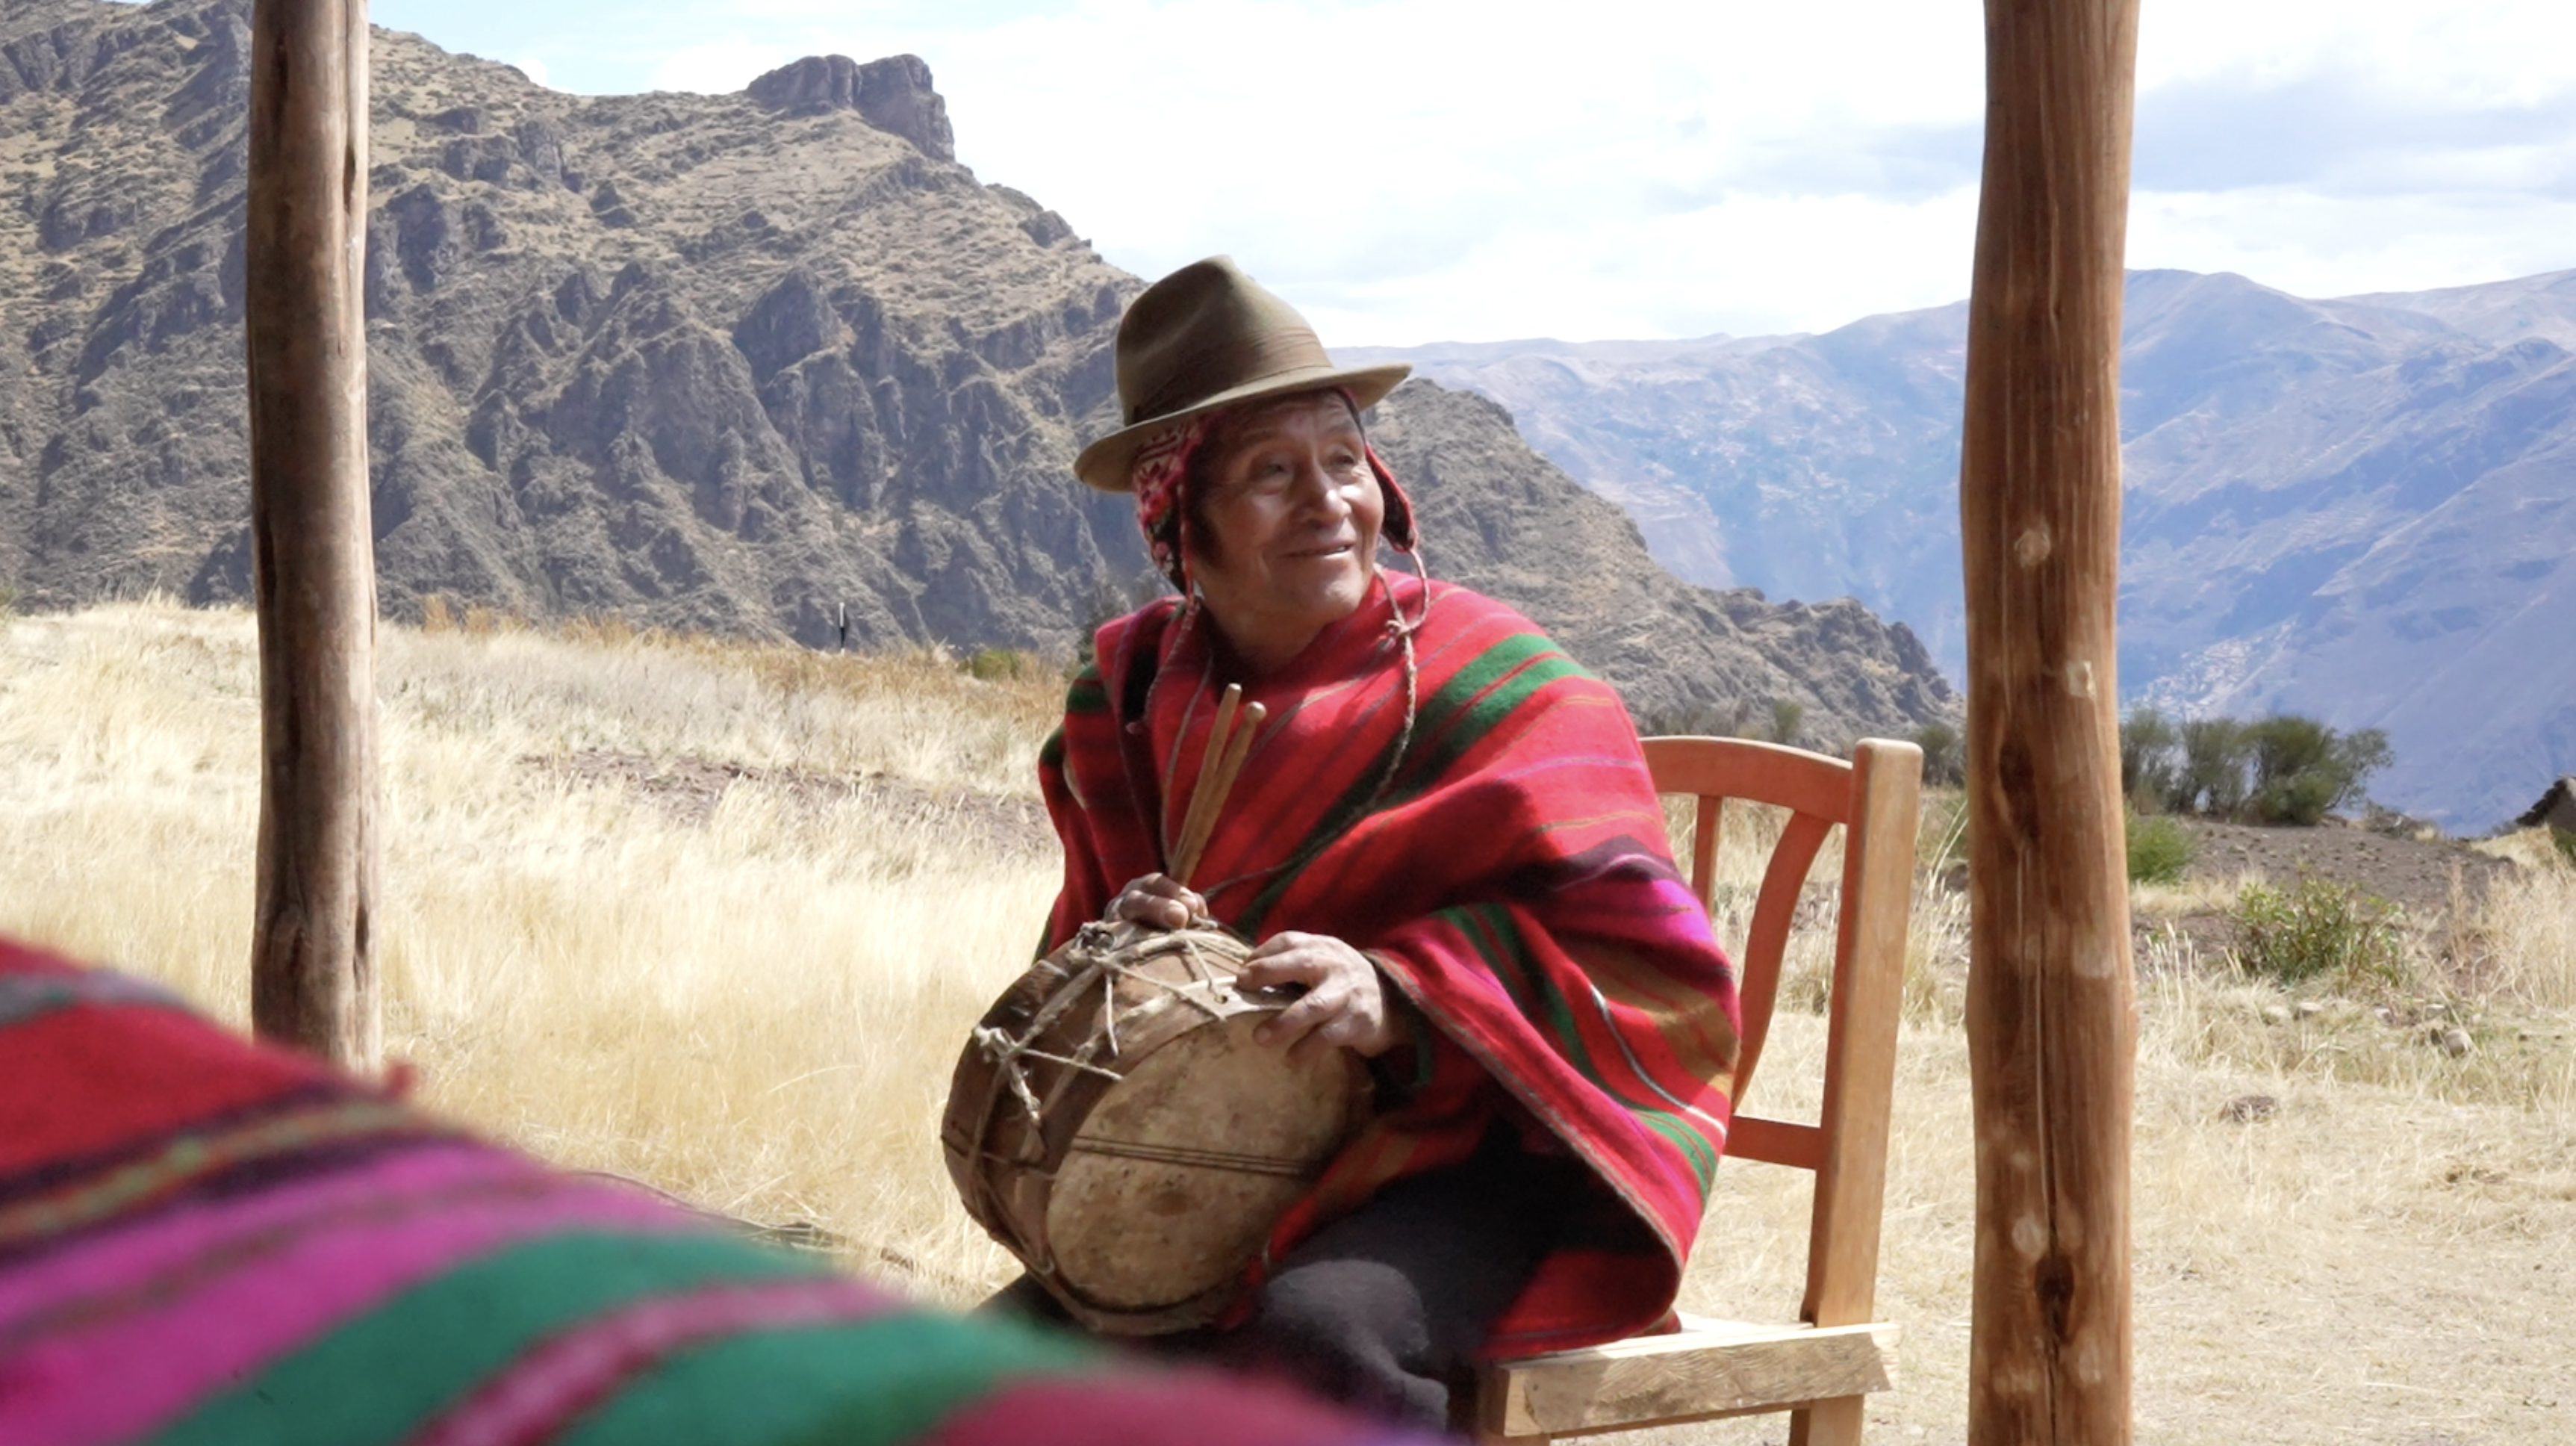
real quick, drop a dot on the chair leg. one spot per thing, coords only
(1828, 1423)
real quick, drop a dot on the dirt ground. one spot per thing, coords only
(2418, 875)
(690, 789)
(2432, 881)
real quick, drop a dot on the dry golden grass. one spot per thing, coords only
(756, 1013)
(2528, 928)
(2193, 894)
(757, 1008)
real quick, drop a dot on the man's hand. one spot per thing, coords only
(1345, 1002)
(1157, 903)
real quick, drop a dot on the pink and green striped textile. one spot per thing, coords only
(207, 1243)
(1511, 876)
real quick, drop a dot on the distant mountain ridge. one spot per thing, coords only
(2358, 508)
(712, 362)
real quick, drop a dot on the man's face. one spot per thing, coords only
(1293, 514)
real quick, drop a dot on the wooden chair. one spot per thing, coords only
(1821, 1368)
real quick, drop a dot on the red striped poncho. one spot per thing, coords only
(1512, 878)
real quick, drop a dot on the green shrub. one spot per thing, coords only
(1787, 716)
(1945, 756)
(2282, 769)
(994, 664)
(2319, 929)
(2566, 841)
(2159, 850)
(2150, 767)
(2304, 770)
(2212, 780)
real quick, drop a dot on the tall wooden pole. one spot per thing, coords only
(2052, 1028)
(313, 981)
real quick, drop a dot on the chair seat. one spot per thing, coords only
(1708, 1368)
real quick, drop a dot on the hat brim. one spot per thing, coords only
(1107, 463)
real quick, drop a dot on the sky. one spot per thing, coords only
(1409, 171)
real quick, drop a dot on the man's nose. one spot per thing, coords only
(1316, 491)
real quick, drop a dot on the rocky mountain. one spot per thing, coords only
(1807, 467)
(715, 362)
(1499, 518)
(2356, 508)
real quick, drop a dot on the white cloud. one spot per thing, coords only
(1422, 168)
(2472, 52)
(715, 67)
(2316, 245)
(1419, 169)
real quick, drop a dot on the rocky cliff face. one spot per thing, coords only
(2359, 509)
(722, 363)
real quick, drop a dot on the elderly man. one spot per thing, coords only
(1446, 835)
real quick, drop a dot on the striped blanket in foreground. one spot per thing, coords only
(203, 1241)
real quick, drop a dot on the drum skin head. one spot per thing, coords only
(1113, 1123)
(1175, 1177)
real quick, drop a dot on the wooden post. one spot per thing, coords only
(2052, 1031)
(312, 545)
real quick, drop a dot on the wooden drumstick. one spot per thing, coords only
(1237, 747)
(1194, 819)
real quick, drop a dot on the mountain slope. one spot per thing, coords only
(712, 362)
(2354, 508)
(1809, 467)
(1505, 521)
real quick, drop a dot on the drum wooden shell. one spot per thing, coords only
(1113, 1124)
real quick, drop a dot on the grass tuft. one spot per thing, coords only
(2318, 929)
(2159, 850)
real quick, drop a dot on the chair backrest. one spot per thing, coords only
(1875, 798)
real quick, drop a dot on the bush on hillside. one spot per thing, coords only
(993, 665)
(2285, 769)
(2212, 776)
(2304, 770)
(1945, 755)
(2159, 850)
(2319, 929)
(2149, 766)
(1787, 716)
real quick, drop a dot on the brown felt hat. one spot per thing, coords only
(1205, 337)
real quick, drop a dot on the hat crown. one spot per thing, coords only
(1204, 330)
(1205, 338)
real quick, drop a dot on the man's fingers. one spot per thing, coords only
(1158, 901)
(1333, 1033)
(1175, 891)
(1293, 1023)
(1284, 968)
(1160, 913)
